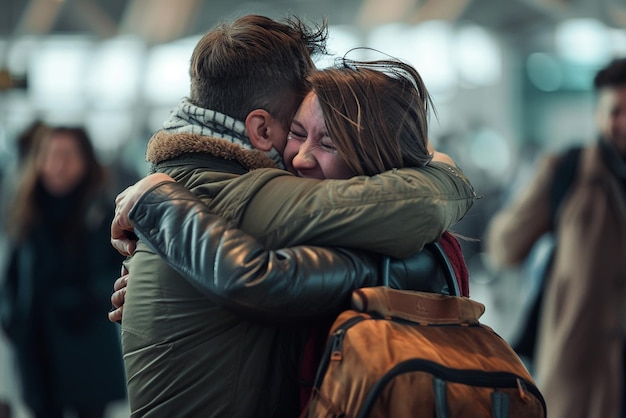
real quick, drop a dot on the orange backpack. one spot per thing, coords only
(413, 354)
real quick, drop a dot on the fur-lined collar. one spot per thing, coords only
(165, 146)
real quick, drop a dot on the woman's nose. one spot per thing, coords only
(304, 159)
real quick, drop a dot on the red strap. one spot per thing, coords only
(452, 248)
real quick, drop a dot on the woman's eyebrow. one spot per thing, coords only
(297, 123)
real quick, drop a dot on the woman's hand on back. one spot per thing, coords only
(122, 237)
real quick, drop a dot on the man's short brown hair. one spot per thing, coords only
(254, 63)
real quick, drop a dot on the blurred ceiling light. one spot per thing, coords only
(582, 41)
(618, 41)
(544, 71)
(156, 117)
(389, 38)
(17, 115)
(341, 39)
(56, 72)
(490, 151)
(428, 47)
(167, 72)
(478, 56)
(109, 130)
(114, 72)
(62, 116)
(431, 48)
(19, 51)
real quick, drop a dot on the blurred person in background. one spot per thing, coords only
(10, 175)
(580, 344)
(56, 284)
(11, 172)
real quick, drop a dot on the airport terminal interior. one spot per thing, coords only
(510, 80)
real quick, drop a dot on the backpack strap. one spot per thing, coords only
(442, 260)
(446, 265)
(420, 307)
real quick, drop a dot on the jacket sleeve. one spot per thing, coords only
(394, 213)
(236, 271)
(515, 229)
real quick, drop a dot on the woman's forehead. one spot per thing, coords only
(310, 109)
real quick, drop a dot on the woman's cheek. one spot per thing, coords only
(291, 150)
(334, 167)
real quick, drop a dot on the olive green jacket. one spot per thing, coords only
(189, 356)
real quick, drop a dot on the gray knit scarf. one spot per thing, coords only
(189, 118)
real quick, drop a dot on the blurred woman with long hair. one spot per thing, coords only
(57, 282)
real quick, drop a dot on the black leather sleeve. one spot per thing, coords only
(236, 271)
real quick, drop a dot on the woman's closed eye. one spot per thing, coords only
(296, 135)
(328, 145)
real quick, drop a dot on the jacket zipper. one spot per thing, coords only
(333, 349)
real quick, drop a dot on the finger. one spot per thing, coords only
(120, 245)
(117, 298)
(120, 283)
(131, 246)
(116, 315)
(120, 225)
(124, 245)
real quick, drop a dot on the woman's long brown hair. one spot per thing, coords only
(376, 112)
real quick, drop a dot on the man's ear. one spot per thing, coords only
(259, 128)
